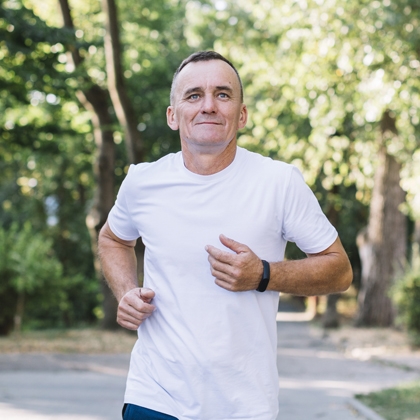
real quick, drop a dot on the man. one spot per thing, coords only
(215, 220)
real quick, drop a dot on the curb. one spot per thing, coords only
(365, 411)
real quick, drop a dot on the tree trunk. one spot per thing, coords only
(382, 245)
(20, 310)
(122, 104)
(97, 103)
(96, 100)
(331, 317)
(116, 86)
(415, 257)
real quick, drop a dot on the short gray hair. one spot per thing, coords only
(203, 56)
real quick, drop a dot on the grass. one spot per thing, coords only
(399, 403)
(87, 340)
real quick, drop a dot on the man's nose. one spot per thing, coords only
(208, 104)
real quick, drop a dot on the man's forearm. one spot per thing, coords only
(118, 262)
(315, 275)
(119, 266)
(326, 272)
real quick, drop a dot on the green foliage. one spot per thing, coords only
(29, 268)
(317, 75)
(31, 261)
(46, 141)
(29, 51)
(27, 265)
(406, 295)
(46, 155)
(153, 36)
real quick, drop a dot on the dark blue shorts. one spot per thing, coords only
(134, 412)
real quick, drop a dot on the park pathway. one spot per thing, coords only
(316, 381)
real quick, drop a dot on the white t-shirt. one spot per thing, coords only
(207, 353)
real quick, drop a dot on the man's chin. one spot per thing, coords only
(212, 142)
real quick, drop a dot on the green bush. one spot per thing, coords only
(34, 291)
(406, 295)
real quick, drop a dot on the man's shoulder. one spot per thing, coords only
(264, 162)
(165, 163)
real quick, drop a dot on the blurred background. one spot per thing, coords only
(332, 86)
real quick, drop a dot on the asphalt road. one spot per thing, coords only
(316, 382)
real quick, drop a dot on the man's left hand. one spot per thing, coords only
(236, 272)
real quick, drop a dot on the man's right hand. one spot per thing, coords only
(134, 307)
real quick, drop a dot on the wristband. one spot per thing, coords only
(265, 277)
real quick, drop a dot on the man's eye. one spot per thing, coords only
(194, 96)
(223, 95)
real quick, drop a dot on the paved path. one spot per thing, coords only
(62, 387)
(316, 382)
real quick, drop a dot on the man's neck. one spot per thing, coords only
(208, 162)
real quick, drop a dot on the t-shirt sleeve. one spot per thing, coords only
(119, 218)
(304, 221)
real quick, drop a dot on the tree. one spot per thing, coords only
(319, 78)
(116, 84)
(82, 72)
(32, 276)
(44, 164)
(95, 99)
(382, 245)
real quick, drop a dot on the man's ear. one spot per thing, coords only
(243, 117)
(170, 118)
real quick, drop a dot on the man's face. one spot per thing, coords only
(207, 106)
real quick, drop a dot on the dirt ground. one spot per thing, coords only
(365, 343)
(87, 341)
(360, 343)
